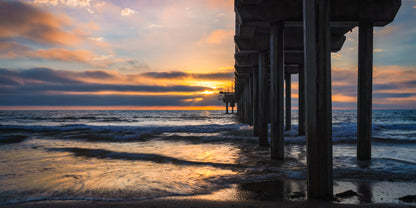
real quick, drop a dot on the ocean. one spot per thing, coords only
(135, 155)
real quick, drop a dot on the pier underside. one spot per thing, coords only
(277, 38)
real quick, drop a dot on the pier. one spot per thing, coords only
(275, 39)
(228, 98)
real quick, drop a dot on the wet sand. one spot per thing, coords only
(190, 203)
(284, 193)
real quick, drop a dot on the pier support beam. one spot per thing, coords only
(226, 108)
(247, 103)
(250, 99)
(263, 93)
(277, 90)
(317, 37)
(301, 101)
(288, 101)
(256, 111)
(365, 89)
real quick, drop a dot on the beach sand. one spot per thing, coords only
(284, 193)
(191, 202)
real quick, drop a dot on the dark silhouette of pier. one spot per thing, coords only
(277, 38)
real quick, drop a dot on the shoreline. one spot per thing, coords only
(278, 193)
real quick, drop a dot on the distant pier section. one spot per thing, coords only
(228, 98)
(276, 39)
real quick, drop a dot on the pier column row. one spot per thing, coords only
(301, 100)
(263, 105)
(256, 112)
(277, 90)
(250, 99)
(317, 37)
(365, 89)
(288, 101)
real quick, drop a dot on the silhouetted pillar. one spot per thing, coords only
(232, 109)
(365, 89)
(226, 107)
(317, 37)
(277, 90)
(256, 101)
(288, 101)
(239, 108)
(246, 104)
(263, 93)
(250, 99)
(301, 101)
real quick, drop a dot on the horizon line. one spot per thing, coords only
(130, 107)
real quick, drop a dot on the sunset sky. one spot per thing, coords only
(165, 53)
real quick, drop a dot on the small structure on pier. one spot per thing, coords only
(277, 38)
(229, 100)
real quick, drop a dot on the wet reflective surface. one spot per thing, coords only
(122, 155)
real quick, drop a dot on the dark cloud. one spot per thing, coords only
(181, 75)
(394, 95)
(215, 76)
(34, 87)
(44, 79)
(102, 100)
(47, 75)
(85, 87)
(166, 75)
(97, 74)
(409, 83)
(384, 86)
(130, 66)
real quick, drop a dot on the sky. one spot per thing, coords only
(164, 54)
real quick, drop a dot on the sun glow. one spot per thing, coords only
(206, 92)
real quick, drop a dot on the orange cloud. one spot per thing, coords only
(193, 100)
(14, 50)
(10, 50)
(219, 36)
(388, 74)
(62, 54)
(227, 4)
(21, 20)
(343, 98)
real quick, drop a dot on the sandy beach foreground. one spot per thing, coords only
(190, 202)
(254, 195)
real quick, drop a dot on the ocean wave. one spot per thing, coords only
(116, 133)
(378, 169)
(396, 126)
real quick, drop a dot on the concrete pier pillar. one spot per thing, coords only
(226, 108)
(301, 101)
(246, 104)
(250, 99)
(239, 109)
(317, 37)
(277, 90)
(263, 94)
(365, 90)
(288, 101)
(256, 102)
